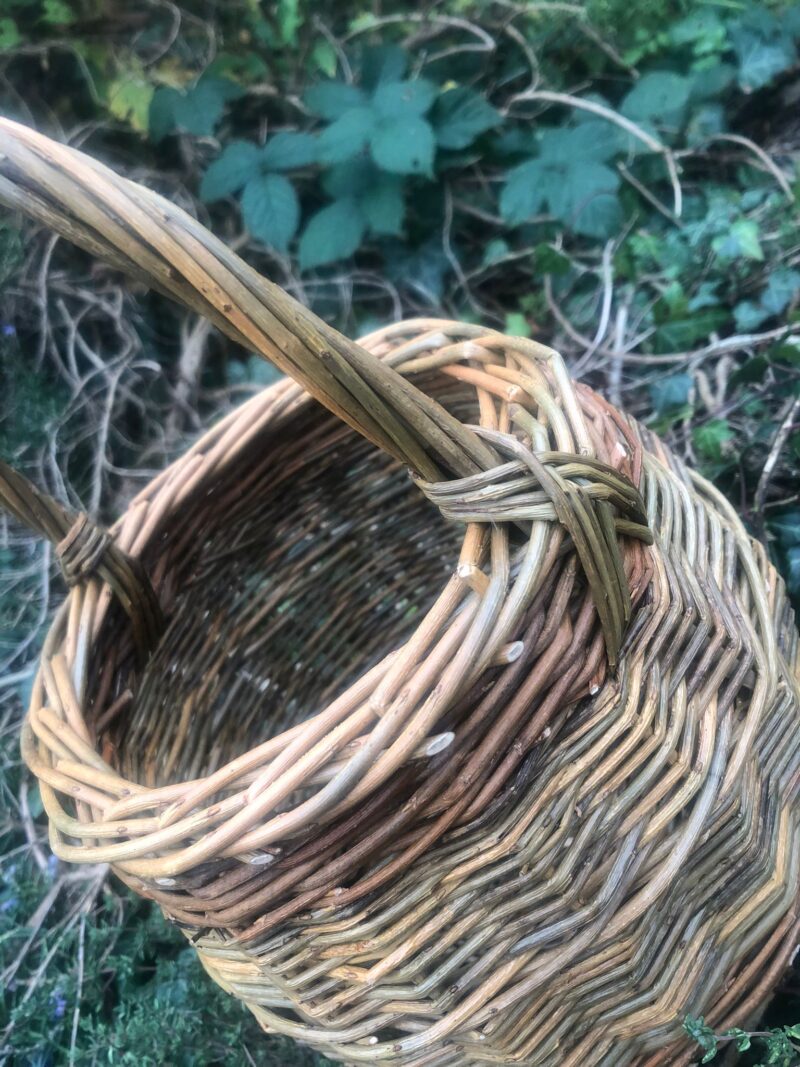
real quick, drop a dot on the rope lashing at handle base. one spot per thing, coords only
(84, 550)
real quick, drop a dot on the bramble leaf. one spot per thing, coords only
(330, 100)
(460, 115)
(270, 210)
(403, 99)
(230, 172)
(289, 149)
(333, 233)
(404, 145)
(347, 136)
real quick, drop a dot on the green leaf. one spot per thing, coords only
(290, 20)
(351, 178)
(240, 161)
(129, 100)
(495, 252)
(710, 439)
(324, 58)
(669, 393)
(704, 123)
(404, 99)
(742, 241)
(792, 1031)
(330, 100)
(660, 97)
(383, 206)
(549, 260)
(761, 60)
(197, 110)
(270, 210)
(289, 149)
(524, 194)
(583, 198)
(9, 35)
(460, 115)
(712, 81)
(57, 13)
(681, 333)
(333, 233)
(783, 286)
(748, 315)
(404, 145)
(516, 325)
(594, 140)
(347, 136)
(382, 63)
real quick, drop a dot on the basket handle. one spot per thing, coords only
(145, 235)
(83, 550)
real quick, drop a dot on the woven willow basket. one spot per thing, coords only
(456, 723)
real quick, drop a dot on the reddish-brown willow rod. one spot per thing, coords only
(477, 746)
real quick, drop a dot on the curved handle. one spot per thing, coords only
(145, 235)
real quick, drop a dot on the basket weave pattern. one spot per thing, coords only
(495, 763)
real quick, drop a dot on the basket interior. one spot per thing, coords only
(312, 559)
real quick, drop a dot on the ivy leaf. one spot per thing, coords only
(760, 59)
(460, 115)
(330, 100)
(668, 394)
(393, 100)
(404, 146)
(9, 35)
(240, 161)
(710, 439)
(524, 194)
(270, 210)
(333, 233)
(660, 97)
(782, 287)
(382, 63)
(749, 315)
(383, 206)
(57, 13)
(347, 136)
(288, 150)
(741, 241)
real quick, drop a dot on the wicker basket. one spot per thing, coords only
(493, 763)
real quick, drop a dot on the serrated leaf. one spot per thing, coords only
(383, 206)
(583, 197)
(196, 111)
(230, 172)
(333, 233)
(330, 100)
(460, 115)
(347, 136)
(9, 34)
(270, 210)
(352, 178)
(403, 99)
(289, 149)
(404, 145)
(659, 97)
(524, 194)
(382, 63)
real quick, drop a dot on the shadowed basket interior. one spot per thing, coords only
(483, 748)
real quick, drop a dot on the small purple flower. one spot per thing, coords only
(8, 330)
(59, 1004)
(52, 866)
(8, 904)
